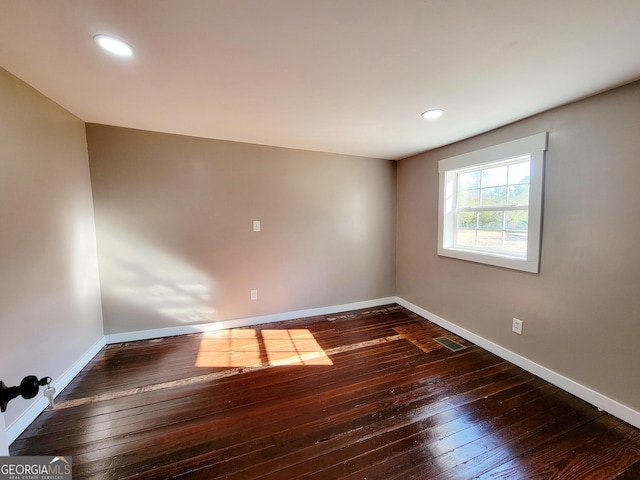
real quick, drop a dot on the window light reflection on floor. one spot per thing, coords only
(245, 347)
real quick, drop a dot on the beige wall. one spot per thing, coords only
(50, 313)
(582, 312)
(174, 223)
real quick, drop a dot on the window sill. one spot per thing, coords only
(493, 259)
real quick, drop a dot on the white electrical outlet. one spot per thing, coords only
(517, 326)
(254, 294)
(256, 225)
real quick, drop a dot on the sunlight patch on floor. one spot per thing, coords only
(245, 347)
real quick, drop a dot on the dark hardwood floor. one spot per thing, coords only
(364, 395)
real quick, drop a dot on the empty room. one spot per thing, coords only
(319, 239)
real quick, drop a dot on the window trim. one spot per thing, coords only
(533, 145)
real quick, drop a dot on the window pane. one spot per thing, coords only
(490, 220)
(515, 242)
(467, 220)
(519, 173)
(466, 238)
(516, 221)
(519, 195)
(494, 196)
(466, 231)
(469, 180)
(490, 240)
(468, 198)
(494, 177)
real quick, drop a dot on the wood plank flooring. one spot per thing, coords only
(360, 395)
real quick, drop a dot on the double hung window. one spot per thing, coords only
(491, 204)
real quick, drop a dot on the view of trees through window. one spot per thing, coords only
(492, 205)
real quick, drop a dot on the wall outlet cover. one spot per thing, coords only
(516, 327)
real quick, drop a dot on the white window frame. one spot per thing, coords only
(534, 146)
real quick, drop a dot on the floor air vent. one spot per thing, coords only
(450, 344)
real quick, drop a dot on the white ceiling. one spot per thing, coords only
(344, 76)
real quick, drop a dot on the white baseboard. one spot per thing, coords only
(23, 421)
(4, 444)
(242, 322)
(601, 401)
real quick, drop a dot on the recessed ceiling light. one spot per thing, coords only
(433, 113)
(113, 45)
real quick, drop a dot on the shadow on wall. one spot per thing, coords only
(145, 276)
